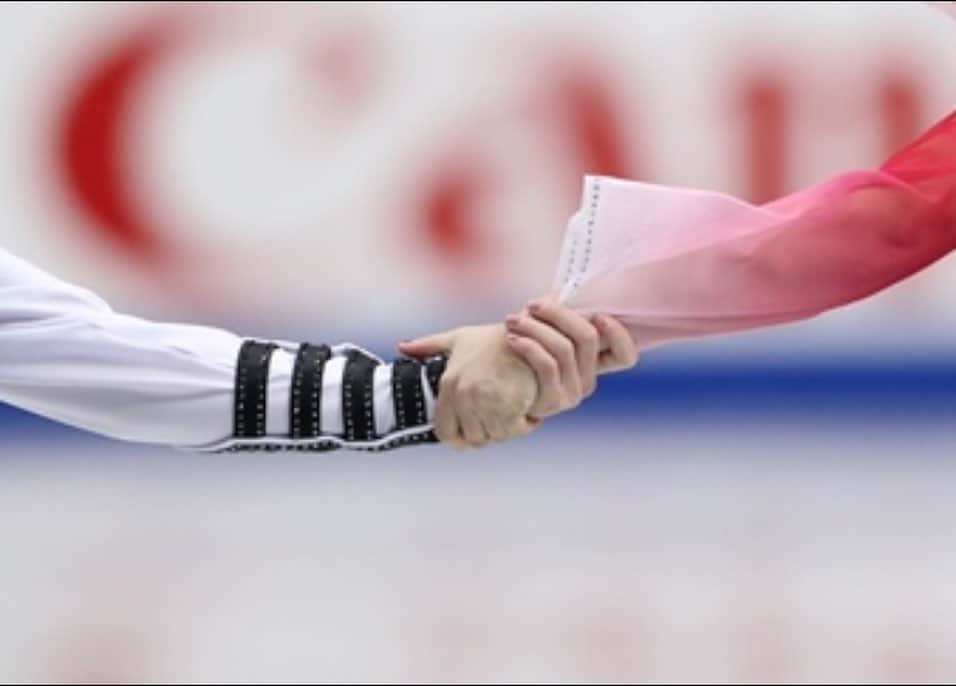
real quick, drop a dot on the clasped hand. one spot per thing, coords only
(503, 379)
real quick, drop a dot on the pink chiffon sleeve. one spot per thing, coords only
(675, 263)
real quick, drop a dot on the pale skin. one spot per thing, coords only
(503, 379)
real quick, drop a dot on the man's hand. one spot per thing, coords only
(486, 390)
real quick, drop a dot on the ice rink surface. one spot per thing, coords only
(786, 551)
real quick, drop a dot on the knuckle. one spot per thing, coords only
(521, 343)
(575, 388)
(448, 383)
(546, 306)
(565, 347)
(466, 389)
(549, 369)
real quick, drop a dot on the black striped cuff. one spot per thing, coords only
(252, 380)
(358, 397)
(305, 406)
(356, 403)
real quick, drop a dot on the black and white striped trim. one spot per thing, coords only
(305, 409)
(252, 380)
(414, 436)
(305, 406)
(358, 397)
(406, 387)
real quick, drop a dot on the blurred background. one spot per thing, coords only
(767, 507)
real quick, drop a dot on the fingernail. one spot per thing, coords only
(511, 320)
(511, 338)
(534, 306)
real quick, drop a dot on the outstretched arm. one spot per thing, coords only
(65, 354)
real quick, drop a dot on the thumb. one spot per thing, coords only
(427, 345)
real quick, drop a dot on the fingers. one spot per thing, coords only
(428, 345)
(495, 428)
(498, 428)
(447, 428)
(487, 391)
(621, 352)
(557, 345)
(470, 415)
(550, 391)
(461, 425)
(471, 428)
(582, 333)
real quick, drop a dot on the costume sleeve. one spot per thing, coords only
(66, 355)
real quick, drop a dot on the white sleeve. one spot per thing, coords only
(65, 354)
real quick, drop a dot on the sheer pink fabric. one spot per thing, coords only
(677, 263)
